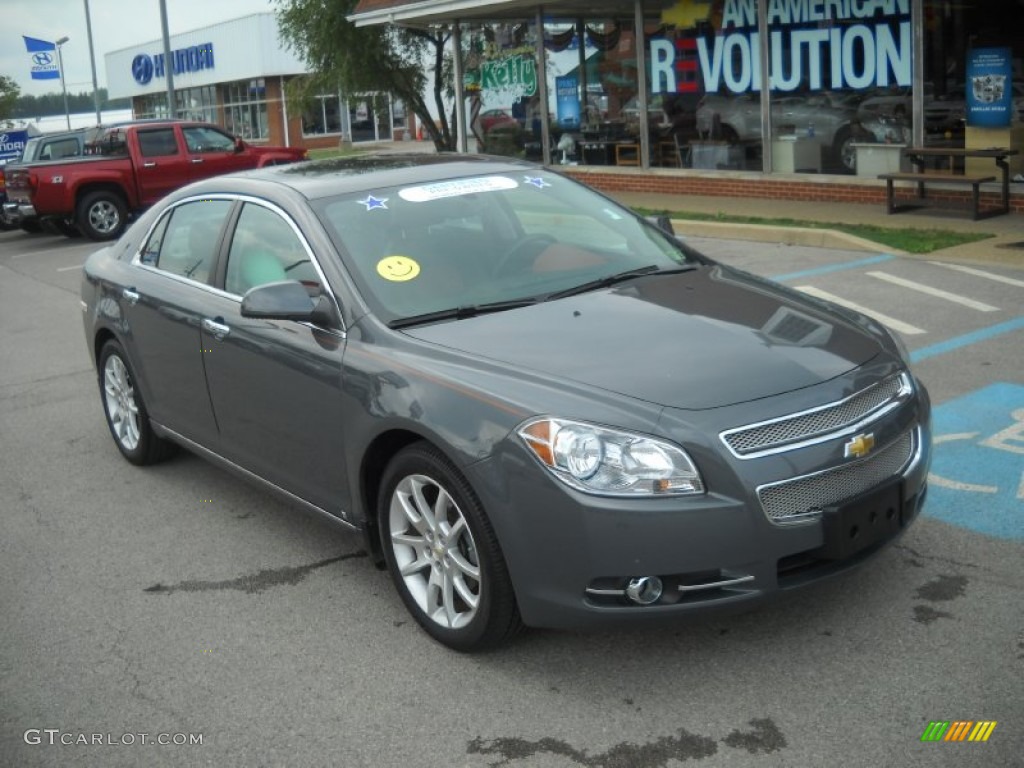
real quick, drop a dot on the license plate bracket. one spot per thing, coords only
(862, 521)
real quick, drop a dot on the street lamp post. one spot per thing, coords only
(60, 67)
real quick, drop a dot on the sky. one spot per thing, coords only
(116, 24)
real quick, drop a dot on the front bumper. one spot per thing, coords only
(571, 555)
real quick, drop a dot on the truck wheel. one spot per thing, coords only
(102, 215)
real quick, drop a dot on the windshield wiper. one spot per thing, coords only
(620, 277)
(460, 313)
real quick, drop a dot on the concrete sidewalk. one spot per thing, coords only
(1005, 247)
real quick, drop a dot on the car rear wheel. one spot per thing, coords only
(126, 413)
(102, 215)
(442, 552)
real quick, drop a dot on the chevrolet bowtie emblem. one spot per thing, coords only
(859, 446)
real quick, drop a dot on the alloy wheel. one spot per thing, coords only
(434, 551)
(122, 409)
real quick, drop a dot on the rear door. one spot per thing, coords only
(211, 152)
(162, 310)
(276, 384)
(161, 167)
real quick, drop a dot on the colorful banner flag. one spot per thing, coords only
(44, 58)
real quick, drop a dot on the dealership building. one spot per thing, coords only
(663, 91)
(235, 74)
(649, 94)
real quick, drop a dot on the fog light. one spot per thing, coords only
(644, 590)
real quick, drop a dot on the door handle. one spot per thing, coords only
(217, 330)
(150, 164)
(197, 160)
(131, 296)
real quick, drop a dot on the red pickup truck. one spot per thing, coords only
(127, 169)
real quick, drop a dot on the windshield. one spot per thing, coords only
(497, 239)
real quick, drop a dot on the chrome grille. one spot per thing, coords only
(793, 498)
(791, 429)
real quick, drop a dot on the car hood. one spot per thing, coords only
(696, 340)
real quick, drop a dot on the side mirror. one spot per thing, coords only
(239, 145)
(285, 300)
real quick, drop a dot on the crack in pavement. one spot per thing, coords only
(253, 582)
(765, 737)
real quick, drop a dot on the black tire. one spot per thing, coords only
(131, 431)
(32, 226)
(464, 541)
(66, 227)
(845, 154)
(60, 227)
(102, 215)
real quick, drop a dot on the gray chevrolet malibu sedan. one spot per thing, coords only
(536, 406)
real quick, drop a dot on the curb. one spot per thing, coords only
(766, 233)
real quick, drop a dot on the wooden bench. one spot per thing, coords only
(936, 178)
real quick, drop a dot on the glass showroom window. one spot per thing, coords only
(197, 104)
(245, 109)
(324, 116)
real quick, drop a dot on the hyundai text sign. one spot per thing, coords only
(193, 59)
(11, 144)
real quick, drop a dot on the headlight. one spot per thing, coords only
(608, 461)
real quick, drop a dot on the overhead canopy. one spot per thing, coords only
(423, 12)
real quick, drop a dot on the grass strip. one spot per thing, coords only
(911, 240)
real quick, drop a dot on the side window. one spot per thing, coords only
(112, 143)
(157, 143)
(185, 243)
(204, 139)
(265, 249)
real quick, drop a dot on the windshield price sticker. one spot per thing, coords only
(456, 188)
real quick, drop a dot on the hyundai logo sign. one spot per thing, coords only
(142, 68)
(193, 59)
(42, 59)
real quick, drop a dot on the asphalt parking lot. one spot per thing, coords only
(178, 602)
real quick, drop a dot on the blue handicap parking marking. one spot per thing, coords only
(977, 473)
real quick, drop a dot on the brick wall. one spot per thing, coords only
(805, 187)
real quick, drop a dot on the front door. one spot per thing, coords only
(276, 385)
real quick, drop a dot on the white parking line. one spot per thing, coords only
(68, 269)
(23, 254)
(980, 273)
(937, 292)
(892, 322)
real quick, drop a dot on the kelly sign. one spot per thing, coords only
(510, 78)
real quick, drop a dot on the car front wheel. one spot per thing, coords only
(442, 553)
(126, 413)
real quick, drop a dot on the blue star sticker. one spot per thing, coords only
(537, 181)
(372, 203)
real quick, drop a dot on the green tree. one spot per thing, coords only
(9, 92)
(382, 58)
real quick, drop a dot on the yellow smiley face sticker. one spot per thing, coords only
(398, 269)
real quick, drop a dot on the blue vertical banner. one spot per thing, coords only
(989, 88)
(43, 57)
(567, 101)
